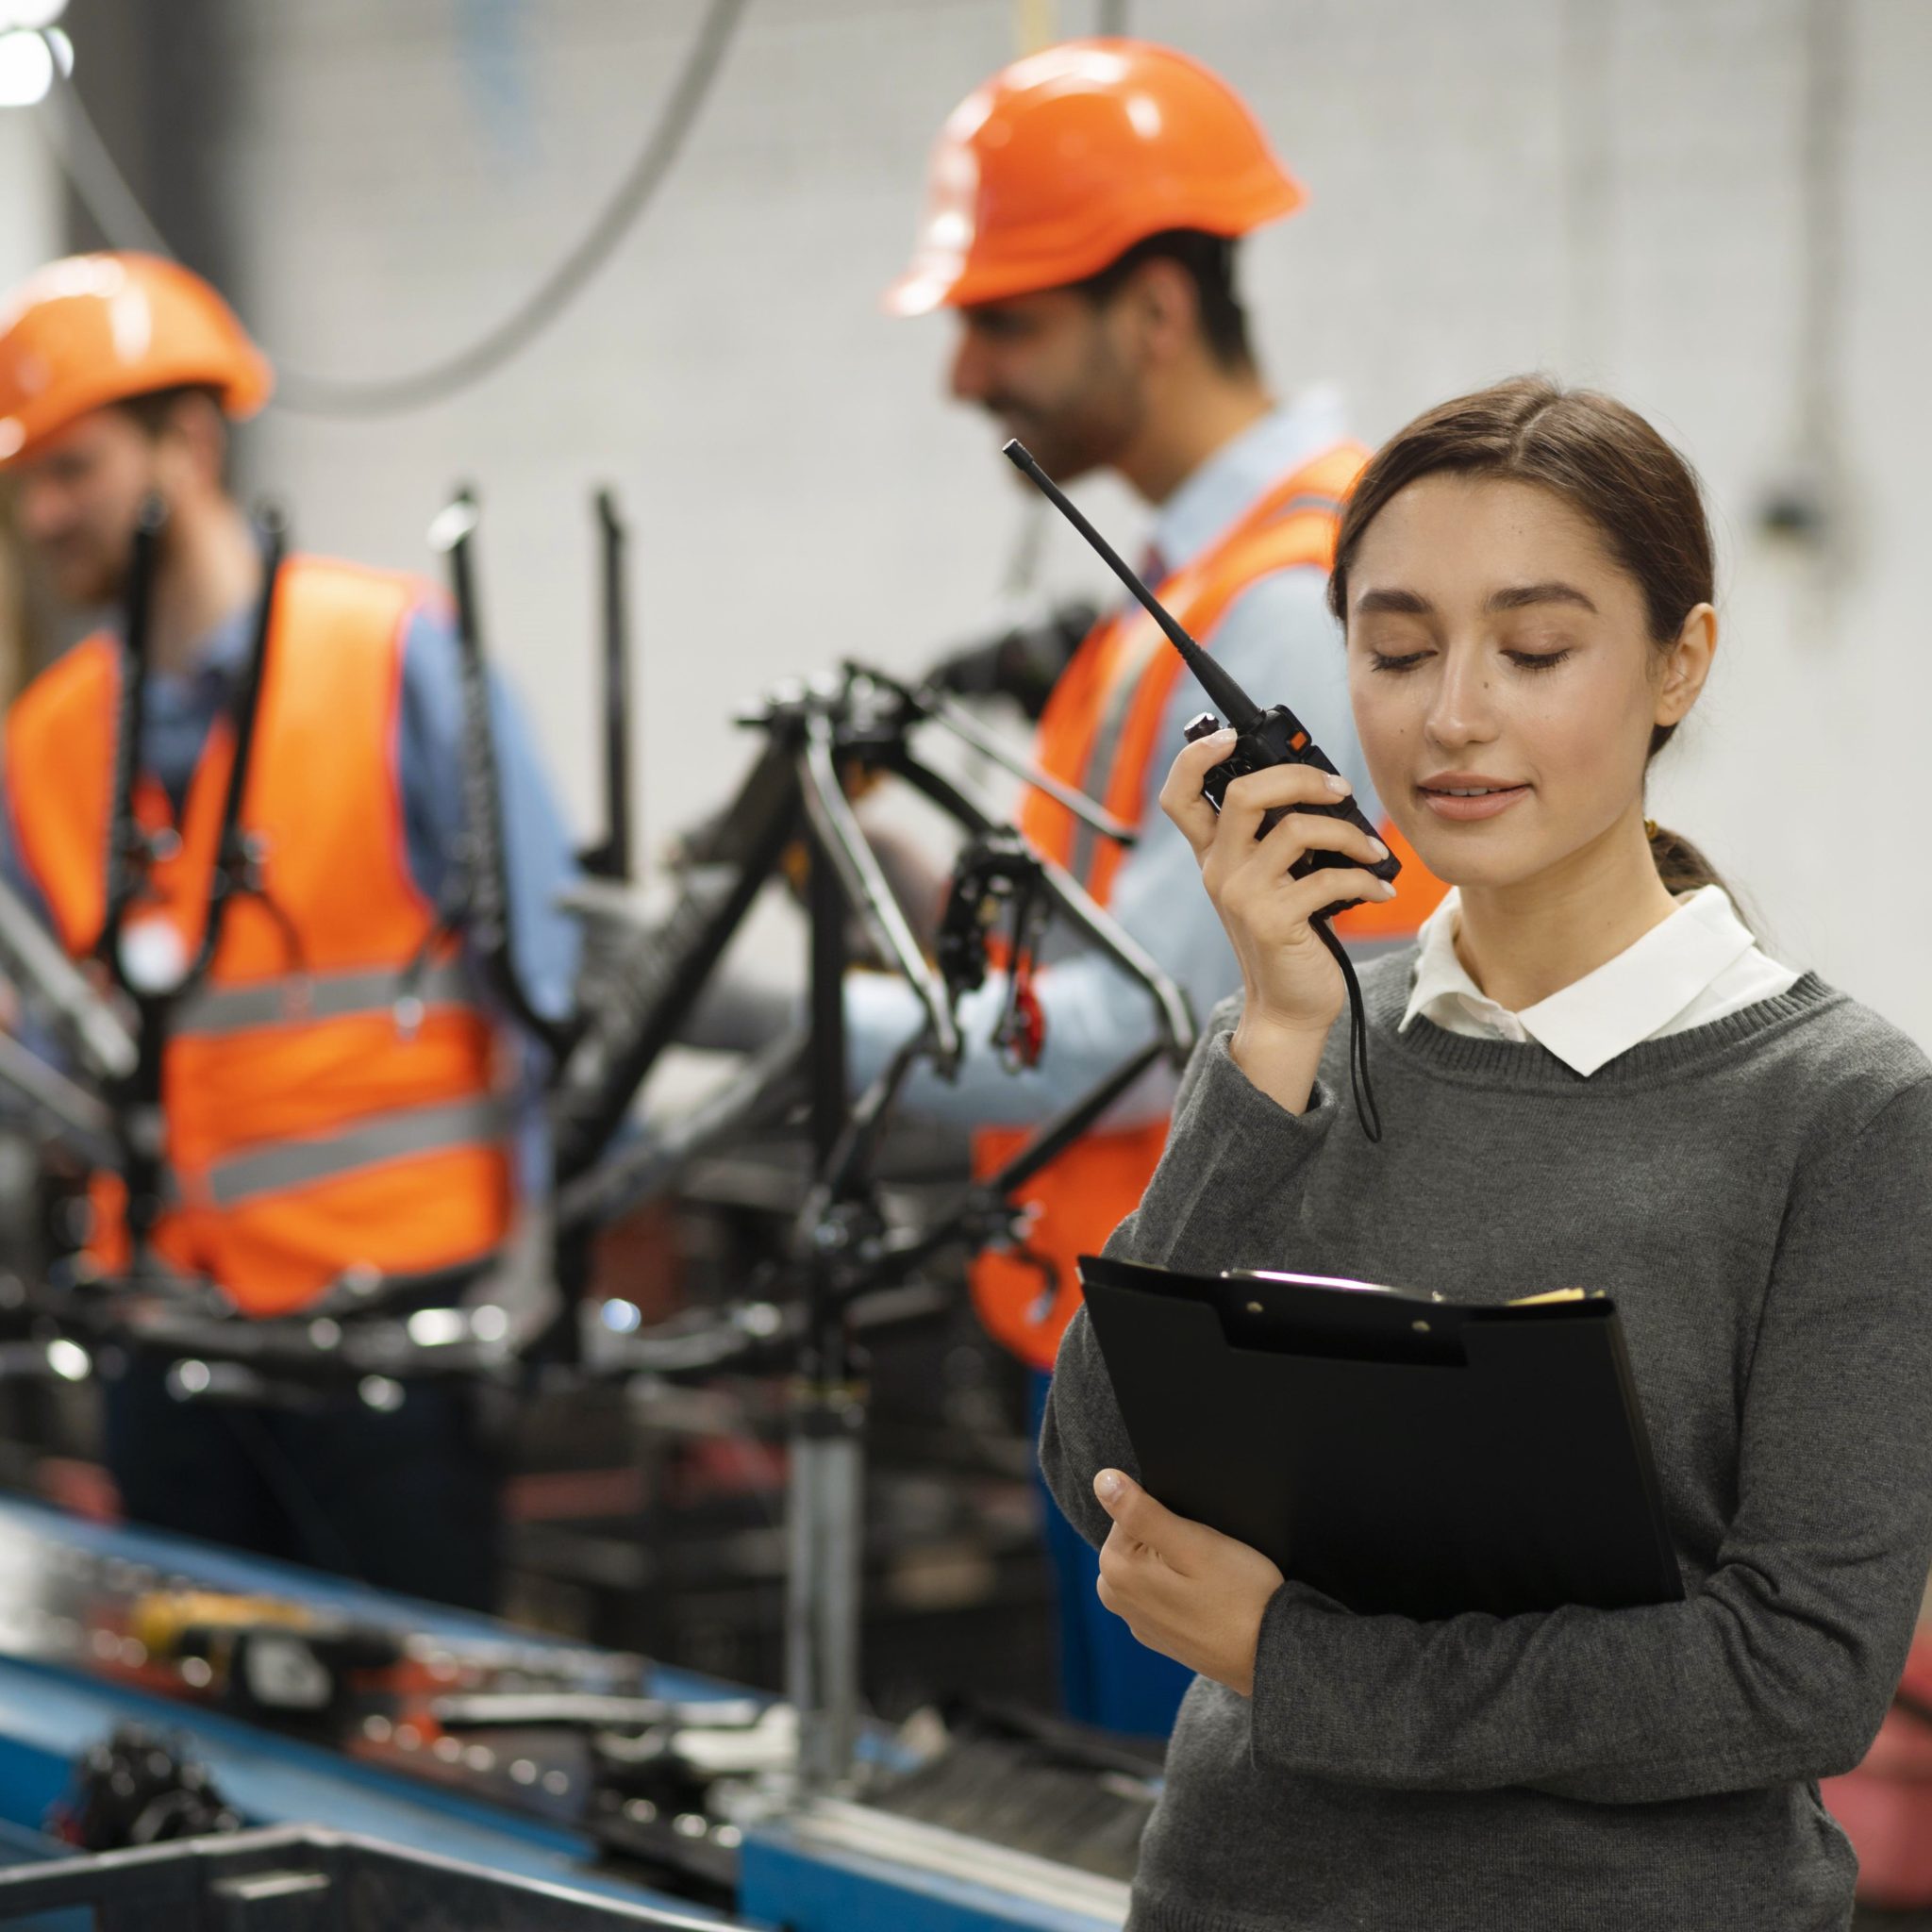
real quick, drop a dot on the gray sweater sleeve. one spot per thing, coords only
(1780, 1666)
(1225, 1135)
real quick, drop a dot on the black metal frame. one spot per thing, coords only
(323, 1879)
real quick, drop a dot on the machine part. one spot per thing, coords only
(136, 1789)
(638, 1009)
(928, 702)
(1040, 1786)
(637, 1174)
(611, 860)
(888, 1863)
(319, 1881)
(840, 842)
(825, 1534)
(76, 1115)
(662, 1792)
(997, 880)
(59, 993)
(482, 909)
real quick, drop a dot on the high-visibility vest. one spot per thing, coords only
(1101, 733)
(332, 1093)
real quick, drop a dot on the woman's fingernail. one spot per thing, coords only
(1224, 738)
(1384, 889)
(1339, 785)
(1380, 850)
(1107, 1485)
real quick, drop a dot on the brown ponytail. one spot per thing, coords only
(1603, 459)
(1682, 866)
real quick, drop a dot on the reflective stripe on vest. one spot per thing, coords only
(213, 1012)
(290, 1164)
(1138, 652)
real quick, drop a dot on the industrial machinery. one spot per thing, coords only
(723, 1799)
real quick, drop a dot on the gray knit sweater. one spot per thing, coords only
(1756, 1193)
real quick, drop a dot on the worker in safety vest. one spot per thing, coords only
(1083, 209)
(338, 1099)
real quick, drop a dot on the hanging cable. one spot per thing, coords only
(117, 210)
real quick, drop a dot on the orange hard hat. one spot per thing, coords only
(99, 328)
(1063, 161)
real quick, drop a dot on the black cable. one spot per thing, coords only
(1365, 1107)
(88, 166)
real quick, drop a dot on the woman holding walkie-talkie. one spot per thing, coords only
(1588, 1072)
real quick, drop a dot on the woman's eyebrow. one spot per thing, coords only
(1519, 596)
(1409, 602)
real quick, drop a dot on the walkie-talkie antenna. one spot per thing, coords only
(1234, 705)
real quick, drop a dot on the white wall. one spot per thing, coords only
(29, 211)
(1615, 189)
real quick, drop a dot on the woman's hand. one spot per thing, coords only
(1291, 987)
(1183, 1588)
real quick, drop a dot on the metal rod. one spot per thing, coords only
(825, 1496)
(863, 884)
(643, 1169)
(486, 915)
(1241, 711)
(615, 1054)
(84, 1119)
(1058, 1134)
(613, 860)
(963, 724)
(821, 1593)
(46, 973)
(1047, 1144)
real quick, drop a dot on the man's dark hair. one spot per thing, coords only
(1208, 261)
(152, 409)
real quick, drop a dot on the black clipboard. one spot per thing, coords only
(1400, 1454)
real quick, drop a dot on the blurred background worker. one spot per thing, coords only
(1083, 209)
(339, 1100)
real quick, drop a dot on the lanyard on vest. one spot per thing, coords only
(131, 849)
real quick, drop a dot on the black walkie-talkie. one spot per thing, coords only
(1273, 737)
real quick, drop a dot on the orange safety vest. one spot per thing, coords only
(1101, 732)
(331, 1090)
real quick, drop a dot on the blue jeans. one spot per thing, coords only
(1107, 1678)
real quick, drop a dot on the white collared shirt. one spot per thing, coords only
(1698, 965)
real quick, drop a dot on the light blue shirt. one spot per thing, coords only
(182, 708)
(1282, 646)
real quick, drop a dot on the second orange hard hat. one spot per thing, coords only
(94, 330)
(1063, 161)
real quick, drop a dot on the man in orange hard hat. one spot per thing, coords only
(1082, 216)
(336, 1094)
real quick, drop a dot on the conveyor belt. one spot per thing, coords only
(516, 1798)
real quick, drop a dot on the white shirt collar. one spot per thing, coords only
(1606, 1012)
